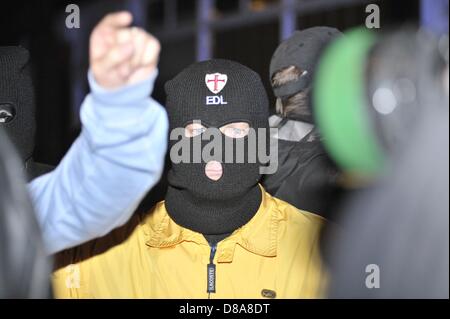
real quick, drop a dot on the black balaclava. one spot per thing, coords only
(215, 208)
(17, 108)
(17, 99)
(303, 50)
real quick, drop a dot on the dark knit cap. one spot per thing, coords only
(303, 50)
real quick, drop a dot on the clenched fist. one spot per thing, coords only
(119, 54)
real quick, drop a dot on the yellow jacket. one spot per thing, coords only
(276, 254)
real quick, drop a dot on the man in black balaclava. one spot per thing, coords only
(218, 234)
(193, 200)
(306, 177)
(17, 106)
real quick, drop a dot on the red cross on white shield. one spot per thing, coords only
(216, 82)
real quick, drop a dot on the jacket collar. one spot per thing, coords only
(258, 236)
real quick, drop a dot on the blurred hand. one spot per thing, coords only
(121, 55)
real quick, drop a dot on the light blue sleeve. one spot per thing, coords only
(117, 158)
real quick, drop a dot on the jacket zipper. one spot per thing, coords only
(211, 272)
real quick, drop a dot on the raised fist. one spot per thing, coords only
(119, 54)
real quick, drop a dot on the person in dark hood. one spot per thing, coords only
(388, 124)
(306, 177)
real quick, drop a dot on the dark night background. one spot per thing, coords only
(60, 55)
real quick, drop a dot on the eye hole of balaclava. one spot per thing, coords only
(232, 130)
(7, 112)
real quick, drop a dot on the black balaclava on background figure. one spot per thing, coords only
(17, 108)
(215, 208)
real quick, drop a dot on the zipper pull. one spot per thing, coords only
(211, 271)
